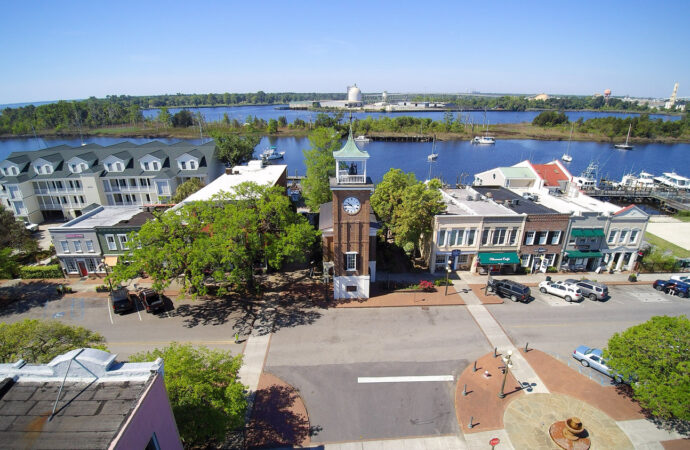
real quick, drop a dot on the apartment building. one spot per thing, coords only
(57, 183)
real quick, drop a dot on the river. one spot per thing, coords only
(457, 160)
(269, 112)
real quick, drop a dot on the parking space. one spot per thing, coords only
(618, 295)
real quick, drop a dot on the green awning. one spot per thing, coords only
(499, 258)
(587, 232)
(578, 254)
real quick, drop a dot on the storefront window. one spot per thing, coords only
(90, 266)
(525, 260)
(71, 267)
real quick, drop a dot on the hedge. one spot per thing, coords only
(28, 272)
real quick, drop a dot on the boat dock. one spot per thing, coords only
(666, 200)
(396, 138)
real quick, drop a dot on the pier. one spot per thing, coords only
(396, 138)
(666, 200)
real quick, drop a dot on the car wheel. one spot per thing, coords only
(659, 288)
(513, 298)
(683, 294)
(593, 297)
(489, 289)
(568, 298)
(584, 363)
(542, 290)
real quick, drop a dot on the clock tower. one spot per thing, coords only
(351, 242)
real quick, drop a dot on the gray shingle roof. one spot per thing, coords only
(523, 206)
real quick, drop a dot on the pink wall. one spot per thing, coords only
(153, 414)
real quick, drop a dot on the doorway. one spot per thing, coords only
(82, 268)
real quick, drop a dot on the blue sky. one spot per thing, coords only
(66, 50)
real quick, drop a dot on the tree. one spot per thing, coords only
(206, 396)
(234, 149)
(320, 166)
(186, 189)
(272, 126)
(164, 117)
(655, 353)
(38, 341)
(13, 232)
(182, 118)
(222, 239)
(406, 206)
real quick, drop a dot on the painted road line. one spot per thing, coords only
(107, 305)
(405, 379)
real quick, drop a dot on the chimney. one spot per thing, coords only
(228, 171)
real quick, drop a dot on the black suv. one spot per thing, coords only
(508, 288)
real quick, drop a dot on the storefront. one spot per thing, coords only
(539, 261)
(588, 261)
(459, 260)
(498, 262)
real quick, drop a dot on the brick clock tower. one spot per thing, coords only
(352, 245)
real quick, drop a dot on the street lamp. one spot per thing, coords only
(447, 274)
(509, 364)
(104, 266)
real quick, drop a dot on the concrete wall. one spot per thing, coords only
(153, 414)
(340, 285)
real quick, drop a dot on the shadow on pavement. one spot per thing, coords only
(680, 426)
(24, 297)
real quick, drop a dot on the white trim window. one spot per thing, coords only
(624, 234)
(77, 246)
(556, 237)
(529, 238)
(461, 236)
(65, 246)
(441, 240)
(633, 235)
(512, 240)
(542, 237)
(470, 236)
(89, 246)
(351, 261)
(70, 265)
(524, 260)
(90, 265)
(110, 239)
(499, 237)
(612, 236)
(452, 237)
(192, 165)
(485, 236)
(123, 241)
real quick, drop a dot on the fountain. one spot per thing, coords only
(570, 434)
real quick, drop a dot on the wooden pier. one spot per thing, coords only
(398, 138)
(666, 200)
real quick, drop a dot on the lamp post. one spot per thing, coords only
(447, 274)
(509, 364)
(104, 266)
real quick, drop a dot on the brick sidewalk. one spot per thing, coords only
(398, 298)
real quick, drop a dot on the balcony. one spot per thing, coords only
(345, 178)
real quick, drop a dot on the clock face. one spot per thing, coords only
(351, 205)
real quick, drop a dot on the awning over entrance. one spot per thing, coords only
(499, 258)
(587, 232)
(578, 254)
(111, 261)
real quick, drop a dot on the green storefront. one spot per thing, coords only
(494, 262)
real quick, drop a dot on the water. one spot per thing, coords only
(457, 160)
(267, 113)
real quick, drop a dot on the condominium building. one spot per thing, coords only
(57, 183)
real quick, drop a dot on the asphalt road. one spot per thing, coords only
(326, 359)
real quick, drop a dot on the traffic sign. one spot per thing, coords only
(494, 442)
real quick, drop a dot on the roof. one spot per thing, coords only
(255, 171)
(102, 216)
(551, 174)
(350, 149)
(92, 408)
(94, 154)
(468, 202)
(513, 201)
(516, 172)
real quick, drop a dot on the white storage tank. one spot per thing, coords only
(354, 94)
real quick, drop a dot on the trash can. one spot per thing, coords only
(548, 278)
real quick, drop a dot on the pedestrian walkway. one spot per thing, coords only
(427, 443)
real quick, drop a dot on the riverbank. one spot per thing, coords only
(521, 131)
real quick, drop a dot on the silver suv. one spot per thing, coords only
(591, 289)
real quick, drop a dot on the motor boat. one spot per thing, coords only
(484, 140)
(363, 139)
(272, 153)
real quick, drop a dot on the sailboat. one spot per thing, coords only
(625, 146)
(566, 156)
(433, 155)
(486, 139)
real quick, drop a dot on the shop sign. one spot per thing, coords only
(541, 250)
(74, 236)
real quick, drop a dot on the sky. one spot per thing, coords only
(73, 49)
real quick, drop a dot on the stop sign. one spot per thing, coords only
(493, 442)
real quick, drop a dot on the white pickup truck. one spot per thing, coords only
(567, 292)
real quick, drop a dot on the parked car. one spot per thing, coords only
(566, 291)
(122, 301)
(150, 299)
(590, 289)
(673, 287)
(508, 288)
(594, 358)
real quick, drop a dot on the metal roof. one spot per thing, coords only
(350, 149)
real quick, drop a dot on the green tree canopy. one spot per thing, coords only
(186, 189)
(182, 118)
(272, 126)
(234, 149)
(320, 166)
(406, 206)
(655, 353)
(38, 341)
(206, 396)
(13, 237)
(223, 239)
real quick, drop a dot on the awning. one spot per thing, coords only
(111, 261)
(587, 232)
(578, 254)
(499, 258)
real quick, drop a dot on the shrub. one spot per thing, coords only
(29, 272)
(426, 286)
(551, 269)
(527, 270)
(102, 288)
(443, 282)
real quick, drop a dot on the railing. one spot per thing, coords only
(353, 179)
(146, 189)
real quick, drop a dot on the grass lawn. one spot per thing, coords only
(683, 215)
(664, 246)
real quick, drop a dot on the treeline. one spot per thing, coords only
(642, 126)
(516, 103)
